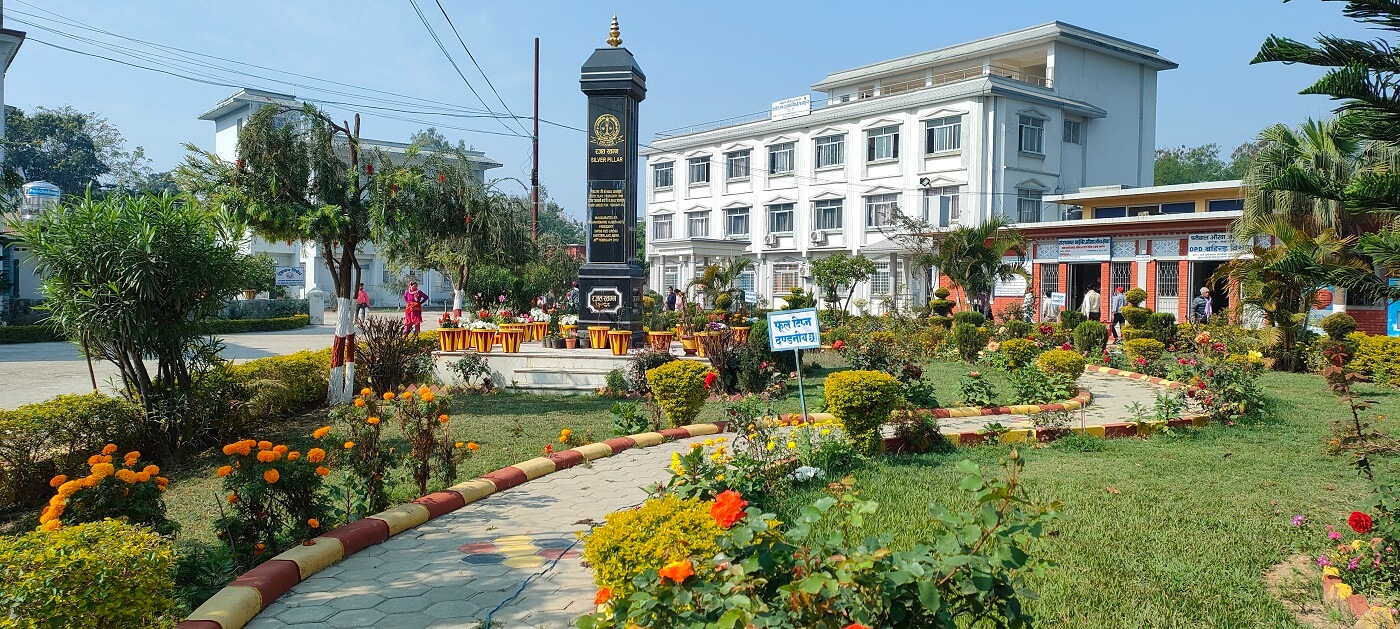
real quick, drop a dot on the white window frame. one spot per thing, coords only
(1074, 132)
(1032, 135)
(663, 219)
(943, 135)
(882, 280)
(703, 163)
(785, 278)
(670, 169)
(702, 217)
(828, 215)
(879, 210)
(935, 200)
(778, 166)
(779, 208)
(832, 145)
(733, 213)
(736, 165)
(882, 144)
(670, 275)
(1024, 197)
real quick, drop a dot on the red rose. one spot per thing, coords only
(838, 344)
(442, 178)
(855, 625)
(710, 379)
(1066, 346)
(728, 508)
(369, 169)
(1360, 522)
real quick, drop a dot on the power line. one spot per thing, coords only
(438, 41)
(478, 66)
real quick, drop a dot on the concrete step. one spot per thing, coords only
(552, 389)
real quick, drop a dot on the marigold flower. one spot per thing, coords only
(322, 471)
(444, 418)
(564, 434)
(142, 477)
(388, 395)
(321, 432)
(280, 449)
(366, 392)
(1360, 522)
(264, 445)
(57, 501)
(459, 445)
(229, 449)
(360, 402)
(428, 397)
(293, 455)
(259, 549)
(313, 523)
(271, 476)
(103, 470)
(406, 395)
(110, 448)
(69, 488)
(423, 389)
(245, 447)
(152, 470)
(728, 508)
(373, 421)
(349, 444)
(677, 571)
(126, 476)
(162, 482)
(471, 445)
(94, 459)
(52, 525)
(232, 498)
(604, 595)
(315, 455)
(88, 481)
(58, 480)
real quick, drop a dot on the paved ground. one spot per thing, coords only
(34, 372)
(1112, 396)
(459, 569)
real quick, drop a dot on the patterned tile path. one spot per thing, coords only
(456, 570)
(1112, 396)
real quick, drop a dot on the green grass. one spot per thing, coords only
(1197, 520)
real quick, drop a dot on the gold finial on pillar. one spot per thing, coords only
(614, 35)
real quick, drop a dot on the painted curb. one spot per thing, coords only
(239, 602)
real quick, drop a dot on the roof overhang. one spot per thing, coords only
(247, 96)
(10, 41)
(1129, 194)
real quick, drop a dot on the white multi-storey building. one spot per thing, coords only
(955, 135)
(229, 116)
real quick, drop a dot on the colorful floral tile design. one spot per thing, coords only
(523, 552)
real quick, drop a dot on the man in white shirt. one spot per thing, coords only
(1090, 305)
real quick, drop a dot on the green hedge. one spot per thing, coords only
(29, 334)
(56, 436)
(235, 326)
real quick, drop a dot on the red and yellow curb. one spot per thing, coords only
(237, 604)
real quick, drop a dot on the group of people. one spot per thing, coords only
(1202, 309)
(675, 299)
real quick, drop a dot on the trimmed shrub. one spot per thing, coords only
(1090, 337)
(968, 339)
(1162, 325)
(633, 541)
(1338, 325)
(1378, 356)
(237, 326)
(1132, 333)
(941, 292)
(104, 574)
(265, 308)
(1019, 352)
(1146, 349)
(1070, 319)
(942, 322)
(38, 441)
(679, 389)
(1135, 316)
(969, 316)
(1062, 361)
(285, 385)
(862, 401)
(1135, 296)
(1018, 328)
(29, 334)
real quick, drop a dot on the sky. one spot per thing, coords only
(703, 61)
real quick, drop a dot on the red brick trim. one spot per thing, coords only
(675, 433)
(621, 443)
(441, 503)
(271, 579)
(506, 477)
(569, 458)
(357, 536)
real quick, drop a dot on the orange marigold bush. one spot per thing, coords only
(109, 492)
(272, 498)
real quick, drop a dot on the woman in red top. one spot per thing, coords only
(413, 300)
(361, 303)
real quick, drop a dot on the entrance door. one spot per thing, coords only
(1201, 273)
(1081, 278)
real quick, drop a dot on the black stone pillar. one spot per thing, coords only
(611, 280)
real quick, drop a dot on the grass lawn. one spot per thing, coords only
(1188, 528)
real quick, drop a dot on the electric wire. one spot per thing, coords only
(451, 60)
(478, 66)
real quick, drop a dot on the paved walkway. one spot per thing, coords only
(458, 569)
(1112, 396)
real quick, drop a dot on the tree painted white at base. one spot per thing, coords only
(342, 382)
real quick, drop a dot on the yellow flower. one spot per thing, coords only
(373, 421)
(126, 476)
(1356, 544)
(471, 445)
(792, 445)
(1343, 591)
(103, 470)
(142, 477)
(709, 442)
(459, 445)
(424, 390)
(428, 397)
(52, 525)
(1330, 571)
(719, 477)
(826, 431)
(406, 395)
(1255, 356)
(366, 392)
(770, 446)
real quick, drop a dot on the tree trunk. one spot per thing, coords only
(459, 295)
(341, 388)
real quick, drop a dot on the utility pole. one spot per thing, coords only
(535, 151)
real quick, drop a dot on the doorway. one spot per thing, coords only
(1201, 273)
(1080, 279)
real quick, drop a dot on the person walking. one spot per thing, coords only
(361, 303)
(1090, 305)
(1201, 306)
(680, 299)
(671, 298)
(1115, 312)
(1049, 312)
(413, 300)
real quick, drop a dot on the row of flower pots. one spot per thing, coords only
(510, 336)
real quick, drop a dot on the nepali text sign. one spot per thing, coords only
(290, 276)
(1217, 246)
(794, 329)
(605, 300)
(791, 108)
(1016, 286)
(1098, 249)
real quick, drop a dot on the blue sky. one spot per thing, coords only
(703, 60)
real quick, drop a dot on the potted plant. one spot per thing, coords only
(551, 341)
(568, 324)
(482, 334)
(659, 333)
(451, 336)
(619, 339)
(570, 341)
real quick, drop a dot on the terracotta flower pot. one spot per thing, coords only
(567, 330)
(570, 342)
(620, 341)
(660, 341)
(511, 339)
(598, 336)
(741, 334)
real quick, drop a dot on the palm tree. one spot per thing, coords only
(719, 280)
(974, 258)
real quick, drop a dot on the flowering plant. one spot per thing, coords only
(446, 322)
(423, 416)
(481, 324)
(131, 492)
(274, 501)
(359, 431)
(568, 319)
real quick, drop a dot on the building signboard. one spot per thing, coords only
(794, 329)
(791, 108)
(605, 300)
(291, 276)
(1097, 249)
(1016, 286)
(1216, 246)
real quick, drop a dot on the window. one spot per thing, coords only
(736, 165)
(1186, 207)
(826, 215)
(1027, 206)
(736, 222)
(1049, 277)
(879, 209)
(1073, 132)
(780, 218)
(661, 227)
(697, 224)
(943, 134)
(1032, 135)
(1225, 205)
(882, 143)
(745, 282)
(831, 151)
(784, 278)
(699, 170)
(781, 158)
(1120, 275)
(941, 205)
(880, 282)
(1110, 212)
(670, 276)
(1167, 275)
(663, 175)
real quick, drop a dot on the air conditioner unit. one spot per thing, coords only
(771, 240)
(818, 238)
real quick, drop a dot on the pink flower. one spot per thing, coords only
(1298, 520)
(1067, 346)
